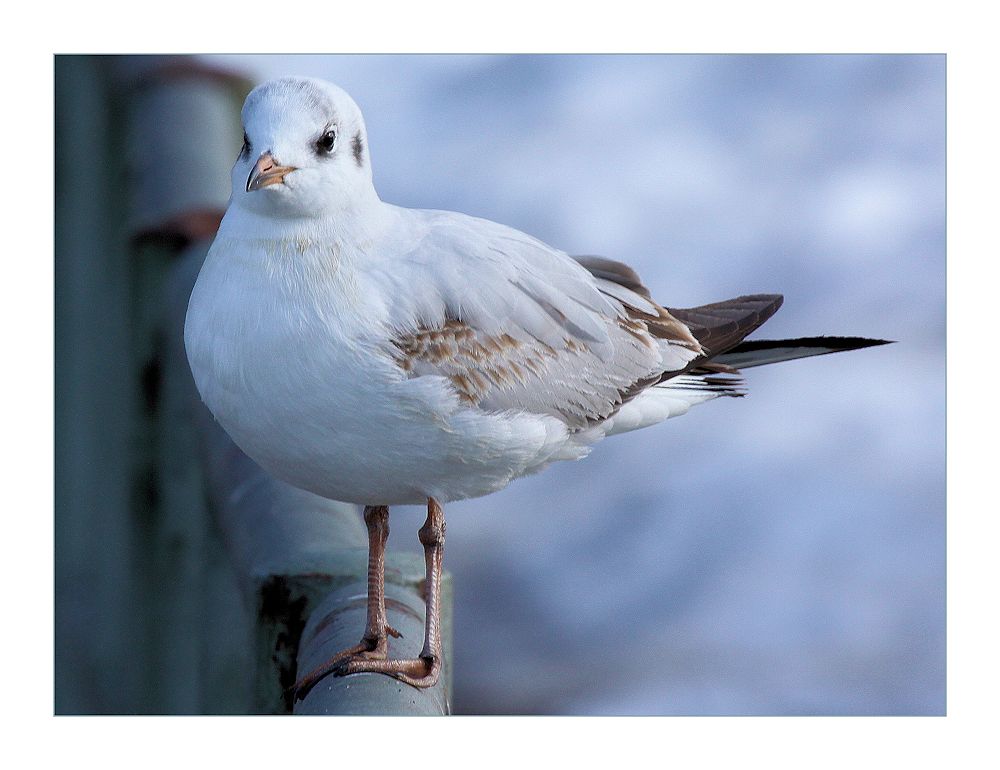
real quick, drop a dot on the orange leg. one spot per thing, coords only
(424, 670)
(371, 654)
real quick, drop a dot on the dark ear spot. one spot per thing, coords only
(358, 145)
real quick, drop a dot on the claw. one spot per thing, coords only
(367, 649)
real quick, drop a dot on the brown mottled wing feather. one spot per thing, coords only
(499, 372)
(639, 305)
(475, 363)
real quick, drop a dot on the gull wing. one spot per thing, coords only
(516, 325)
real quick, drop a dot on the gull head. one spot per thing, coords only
(305, 151)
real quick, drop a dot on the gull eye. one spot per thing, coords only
(245, 152)
(325, 144)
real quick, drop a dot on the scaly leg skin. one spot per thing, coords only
(374, 644)
(422, 671)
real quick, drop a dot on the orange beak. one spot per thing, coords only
(266, 172)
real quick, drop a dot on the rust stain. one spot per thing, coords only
(357, 603)
(287, 615)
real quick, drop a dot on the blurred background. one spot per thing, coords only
(778, 554)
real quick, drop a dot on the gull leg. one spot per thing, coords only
(374, 643)
(424, 670)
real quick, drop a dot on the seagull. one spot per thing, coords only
(382, 355)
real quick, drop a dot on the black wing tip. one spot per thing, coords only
(865, 342)
(836, 344)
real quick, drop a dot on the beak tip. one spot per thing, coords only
(266, 172)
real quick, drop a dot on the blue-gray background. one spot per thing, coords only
(782, 553)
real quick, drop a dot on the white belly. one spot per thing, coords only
(302, 388)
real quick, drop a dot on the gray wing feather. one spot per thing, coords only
(521, 326)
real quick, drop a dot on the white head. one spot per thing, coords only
(305, 151)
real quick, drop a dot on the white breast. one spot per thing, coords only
(286, 354)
